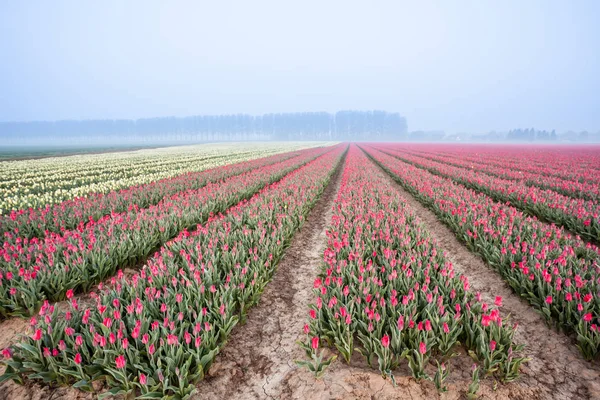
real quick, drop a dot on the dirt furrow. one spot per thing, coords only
(261, 353)
(556, 369)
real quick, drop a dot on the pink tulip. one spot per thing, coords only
(120, 361)
(385, 341)
(400, 323)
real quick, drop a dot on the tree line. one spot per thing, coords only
(530, 135)
(341, 126)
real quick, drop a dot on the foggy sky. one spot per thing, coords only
(453, 65)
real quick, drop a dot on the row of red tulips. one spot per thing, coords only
(557, 273)
(573, 163)
(578, 215)
(571, 188)
(38, 269)
(156, 334)
(70, 214)
(387, 292)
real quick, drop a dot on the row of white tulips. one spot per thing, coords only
(36, 183)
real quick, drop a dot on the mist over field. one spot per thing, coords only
(150, 72)
(339, 199)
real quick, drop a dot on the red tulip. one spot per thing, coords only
(77, 359)
(498, 301)
(7, 353)
(315, 343)
(422, 348)
(37, 335)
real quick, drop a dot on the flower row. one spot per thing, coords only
(387, 292)
(70, 213)
(37, 183)
(578, 215)
(156, 334)
(573, 188)
(573, 163)
(556, 273)
(46, 268)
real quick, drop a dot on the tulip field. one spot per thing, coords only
(37, 183)
(138, 274)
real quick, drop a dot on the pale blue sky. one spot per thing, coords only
(453, 65)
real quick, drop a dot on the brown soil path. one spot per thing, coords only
(260, 353)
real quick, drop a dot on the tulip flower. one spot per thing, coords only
(120, 362)
(37, 335)
(385, 341)
(314, 343)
